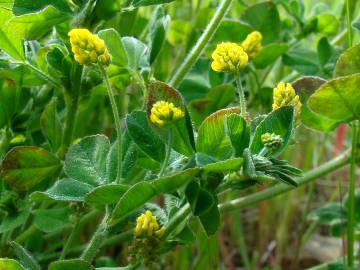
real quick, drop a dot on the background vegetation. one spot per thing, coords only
(47, 107)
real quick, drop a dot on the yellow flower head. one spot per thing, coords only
(271, 140)
(285, 95)
(252, 44)
(229, 57)
(88, 48)
(163, 113)
(147, 225)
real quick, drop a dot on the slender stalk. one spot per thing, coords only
(168, 151)
(116, 119)
(70, 240)
(241, 95)
(200, 45)
(351, 200)
(278, 189)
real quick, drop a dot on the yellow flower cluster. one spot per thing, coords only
(271, 140)
(147, 225)
(88, 48)
(285, 95)
(252, 44)
(229, 57)
(163, 113)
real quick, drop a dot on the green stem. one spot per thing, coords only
(200, 45)
(278, 189)
(96, 241)
(69, 240)
(116, 119)
(168, 151)
(351, 200)
(348, 22)
(241, 95)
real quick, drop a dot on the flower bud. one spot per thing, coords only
(229, 57)
(88, 48)
(252, 44)
(285, 95)
(272, 141)
(163, 113)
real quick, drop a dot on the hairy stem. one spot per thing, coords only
(116, 119)
(96, 240)
(200, 45)
(69, 241)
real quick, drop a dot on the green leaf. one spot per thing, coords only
(305, 87)
(302, 60)
(115, 46)
(141, 3)
(10, 42)
(26, 166)
(233, 164)
(199, 198)
(217, 98)
(136, 53)
(338, 99)
(280, 122)
(8, 97)
(106, 194)
(86, 160)
(348, 62)
(9, 264)
(210, 220)
(144, 136)
(212, 139)
(183, 137)
(327, 24)
(67, 190)
(13, 221)
(239, 133)
(33, 26)
(51, 125)
(324, 50)
(269, 54)
(135, 197)
(171, 183)
(50, 220)
(25, 257)
(158, 26)
(24, 6)
(265, 18)
(231, 30)
(78, 264)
